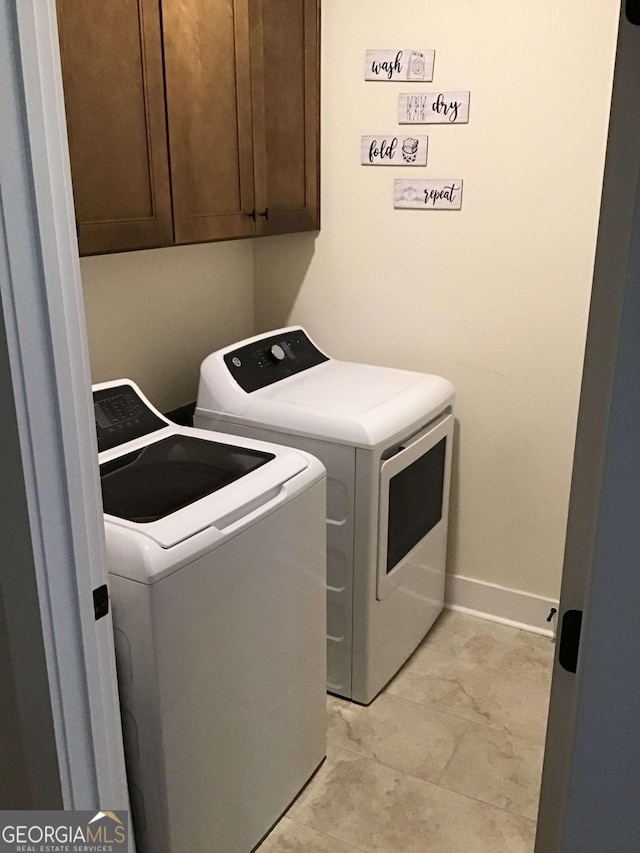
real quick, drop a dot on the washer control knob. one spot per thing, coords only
(277, 353)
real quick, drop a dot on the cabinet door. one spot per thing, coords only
(114, 96)
(206, 45)
(285, 80)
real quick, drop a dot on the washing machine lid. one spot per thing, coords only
(168, 482)
(158, 479)
(358, 404)
(181, 484)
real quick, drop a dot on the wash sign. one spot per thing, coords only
(399, 64)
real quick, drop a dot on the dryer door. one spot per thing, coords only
(414, 509)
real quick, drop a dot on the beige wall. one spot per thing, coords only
(494, 297)
(153, 316)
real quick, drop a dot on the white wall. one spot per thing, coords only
(494, 297)
(153, 316)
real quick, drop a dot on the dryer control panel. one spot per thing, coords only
(121, 416)
(272, 358)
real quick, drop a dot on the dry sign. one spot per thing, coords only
(433, 108)
(399, 64)
(388, 150)
(428, 195)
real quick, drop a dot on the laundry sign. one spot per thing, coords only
(441, 194)
(399, 64)
(389, 150)
(433, 108)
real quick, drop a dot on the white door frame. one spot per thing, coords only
(46, 339)
(591, 777)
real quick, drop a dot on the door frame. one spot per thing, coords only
(590, 777)
(50, 392)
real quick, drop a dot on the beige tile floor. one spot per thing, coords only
(446, 760)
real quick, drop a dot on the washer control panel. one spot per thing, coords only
(271, 359)
(121, 416)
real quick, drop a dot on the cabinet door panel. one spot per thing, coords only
(285, 81)
(114, 96)
(209, 112)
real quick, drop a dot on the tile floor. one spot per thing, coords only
(446, 760)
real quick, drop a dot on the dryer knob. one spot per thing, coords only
(277, 353)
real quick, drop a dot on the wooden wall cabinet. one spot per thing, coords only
(190, 120)
(114, 98)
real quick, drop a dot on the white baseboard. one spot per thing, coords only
(500, 604)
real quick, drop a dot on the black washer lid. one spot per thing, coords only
(161, 478)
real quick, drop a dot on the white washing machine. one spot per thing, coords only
(216, 557)
(385, 437)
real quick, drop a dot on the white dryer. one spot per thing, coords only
(385, 437)
(216, 556)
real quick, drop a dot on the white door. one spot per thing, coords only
(591, 781)
(47, 391)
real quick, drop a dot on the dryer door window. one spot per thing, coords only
(415, 502)
(172, 473)
(413, 508)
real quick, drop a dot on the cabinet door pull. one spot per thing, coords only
(252, 215)
(265, 214)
